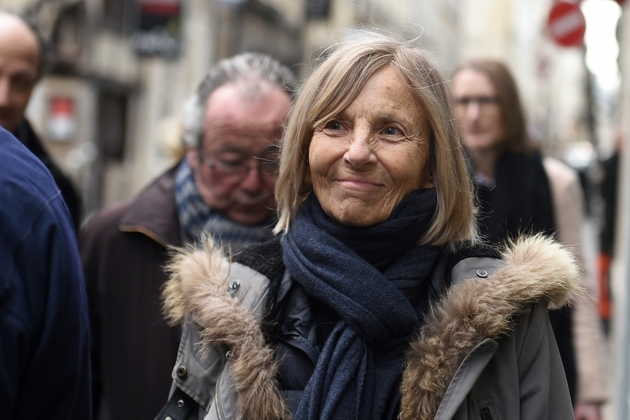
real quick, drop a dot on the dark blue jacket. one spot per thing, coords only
(44, 329)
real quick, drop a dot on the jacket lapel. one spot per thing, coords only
(465, 377)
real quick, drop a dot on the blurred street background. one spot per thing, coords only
(120, 70)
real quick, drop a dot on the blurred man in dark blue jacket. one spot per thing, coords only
(44, 327)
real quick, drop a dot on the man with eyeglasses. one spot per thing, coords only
(224, 187)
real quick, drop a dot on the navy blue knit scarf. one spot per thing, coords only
(368, 276)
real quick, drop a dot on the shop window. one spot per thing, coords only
(118, 15)
(112, 126)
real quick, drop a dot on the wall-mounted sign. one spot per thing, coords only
(160, 28)
(232, 3)
(61, 124)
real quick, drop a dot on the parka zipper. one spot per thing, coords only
(485, 413)
(217, 404)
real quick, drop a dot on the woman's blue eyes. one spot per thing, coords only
(391, 131)
(334, 125)
(388, 131)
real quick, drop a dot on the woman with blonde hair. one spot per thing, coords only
(377, 300)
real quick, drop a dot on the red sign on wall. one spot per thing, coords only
(62, 118)
(566, 24)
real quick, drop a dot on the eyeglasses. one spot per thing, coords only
(239, 168)
(484, 102)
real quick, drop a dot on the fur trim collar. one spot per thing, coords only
(198, 284)
(537, 269)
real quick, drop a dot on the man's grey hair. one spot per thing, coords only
(251, 69)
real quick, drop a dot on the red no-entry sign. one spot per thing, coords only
(566, 24)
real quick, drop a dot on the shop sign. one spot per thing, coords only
(159, 31)
(61, 123)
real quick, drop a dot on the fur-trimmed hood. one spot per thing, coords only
(537, 269)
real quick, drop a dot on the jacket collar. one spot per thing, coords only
(484, 295)
(153, 212)
(25, 133)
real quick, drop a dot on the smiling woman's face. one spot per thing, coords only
(365, 160)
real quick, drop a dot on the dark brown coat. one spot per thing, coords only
(123, 251)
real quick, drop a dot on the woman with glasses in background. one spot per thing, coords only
(519, 191)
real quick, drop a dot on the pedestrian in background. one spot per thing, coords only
(376, 301)
(609, 188)
(22, 62)
(224, 187)
(44, 326)
(520, 191)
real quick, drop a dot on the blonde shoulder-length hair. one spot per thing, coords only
(335, 84)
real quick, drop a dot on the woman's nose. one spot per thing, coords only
(473, 110)
(360, 150)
